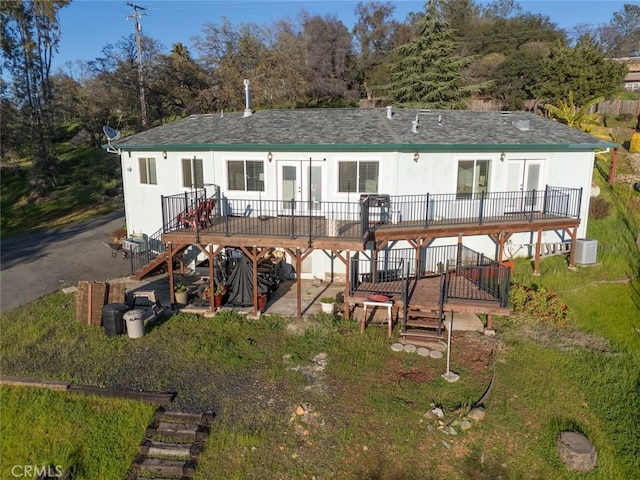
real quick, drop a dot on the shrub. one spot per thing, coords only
(539, 303)
(599, 208)
(634, 145)
(625, 117)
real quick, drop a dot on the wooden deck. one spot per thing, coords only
(322, 233)
(291, 232)
(424, 295)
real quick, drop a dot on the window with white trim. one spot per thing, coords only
(473, 177)
(246, 175)
(192, 173)
(147, 167)
(358, 177)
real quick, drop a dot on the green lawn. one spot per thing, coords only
(94, 437)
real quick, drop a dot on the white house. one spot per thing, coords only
(319, 156)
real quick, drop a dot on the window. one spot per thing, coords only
(358, 177)
(147, 167)
(473, 177)
(246, 175)
(192, 173)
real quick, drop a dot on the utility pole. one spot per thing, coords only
(143, 103)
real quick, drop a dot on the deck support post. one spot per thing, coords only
(298, 284)
(536, 258)
(212, 284)
(573, 233)
(347, 286)
(172, 293)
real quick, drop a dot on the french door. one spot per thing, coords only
(523, 177)
(300, 188)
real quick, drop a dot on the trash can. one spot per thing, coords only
(134, 320)
(112, 318)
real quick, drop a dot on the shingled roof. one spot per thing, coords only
(355, 129)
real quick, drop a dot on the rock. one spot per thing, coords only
(435, 354)
(489, 332)
(437, 412)
(450, 430)
(300, 410)
(477, 414)
(576, 451)
(465, 425)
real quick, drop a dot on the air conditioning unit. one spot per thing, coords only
(586, 251)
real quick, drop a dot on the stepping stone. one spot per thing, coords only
(409, 348)
(435, 354)
(423, 352)
(397, 347)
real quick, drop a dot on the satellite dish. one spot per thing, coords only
(111, 133)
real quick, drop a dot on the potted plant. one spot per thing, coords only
(218, 295)
(181, 293)
(328, 304)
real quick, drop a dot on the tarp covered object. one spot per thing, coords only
(240, 284)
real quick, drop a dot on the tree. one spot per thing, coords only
(176, 83)
(329, 59)
(516, 79)
(621, 37)
(428, 72)
(230, 54)
(374, 33)
(117, 71)
(583, 70)
(568, 113)
(30, 32)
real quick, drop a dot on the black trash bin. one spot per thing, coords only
(113, 318)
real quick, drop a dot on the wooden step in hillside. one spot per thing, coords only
(172, 446)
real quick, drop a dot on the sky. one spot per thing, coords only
(89, 25)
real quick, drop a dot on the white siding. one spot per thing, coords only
(399, 174)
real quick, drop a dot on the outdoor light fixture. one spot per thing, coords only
(269, 156)
(416, 157)
(502, 156)
(164, 154)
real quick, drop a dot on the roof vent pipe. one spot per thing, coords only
(389, 112)
(414, 126)
(247, 109)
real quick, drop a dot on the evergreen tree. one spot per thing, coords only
(428, 73)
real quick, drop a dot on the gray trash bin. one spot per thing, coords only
(134, 320)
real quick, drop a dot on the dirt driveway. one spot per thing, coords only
(35, 264)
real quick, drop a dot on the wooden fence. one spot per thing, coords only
(616, 107)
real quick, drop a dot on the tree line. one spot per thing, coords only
(452, 51)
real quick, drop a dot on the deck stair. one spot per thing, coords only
(172, 446)
(423, 327)
(156, 263)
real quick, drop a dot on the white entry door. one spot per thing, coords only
(524, 176)
(300, 182)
